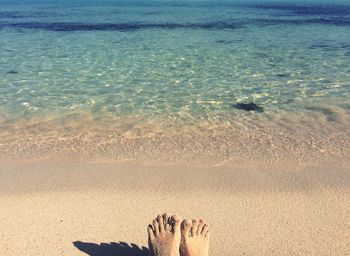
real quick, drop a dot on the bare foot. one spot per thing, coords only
(164, 236)
(194, 238)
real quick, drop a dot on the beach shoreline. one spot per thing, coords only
(293, 140)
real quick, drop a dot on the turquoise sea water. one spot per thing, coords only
(178, 62)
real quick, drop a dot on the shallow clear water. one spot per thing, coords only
(175, 62)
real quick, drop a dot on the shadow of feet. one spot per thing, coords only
(111, 249)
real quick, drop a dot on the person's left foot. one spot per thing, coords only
(164, 236)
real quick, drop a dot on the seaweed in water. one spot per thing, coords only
(249, 107)
(12, 72)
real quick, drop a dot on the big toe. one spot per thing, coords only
(185, 228)
(176, 223)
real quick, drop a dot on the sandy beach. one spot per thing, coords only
(264, 190)
(94, 208)
(236, 112)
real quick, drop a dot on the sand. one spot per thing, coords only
(99, 208)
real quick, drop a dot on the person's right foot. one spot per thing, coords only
(194, 238)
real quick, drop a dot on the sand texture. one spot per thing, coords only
(94, 208)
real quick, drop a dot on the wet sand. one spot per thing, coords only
(271, 138)
(94, 207)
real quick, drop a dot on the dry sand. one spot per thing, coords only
(93, 208)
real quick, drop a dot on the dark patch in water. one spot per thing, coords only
(215, 25)
(63, 56)
(327, 10)
(320, 46)
(68, 26)
(345, 46)
(329, 46)
(300, 22)
(222, 41)
(24, 14)
(151, 13)
(283, 75)
(11, 15)
(248, 107)
(11, 72)
(117, 11)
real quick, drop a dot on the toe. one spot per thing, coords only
(167, 227)
(185, 228)
(166, 218)
(166, 222)
(155, 227)
(194, 228)
(160, 223)
(200, 226)
(205, 230)
(207, 235)
(150, 232)
(176, 223)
